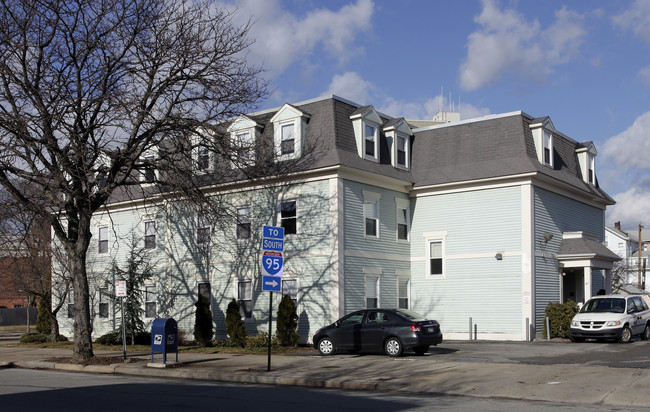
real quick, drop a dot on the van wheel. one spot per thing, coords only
(646, 333)
(578, 340)
(626, 336)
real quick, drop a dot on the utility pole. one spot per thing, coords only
(640, 255)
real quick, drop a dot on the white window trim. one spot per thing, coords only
(236, 285)
(372, 197)
(376, 276)
(297, 299)
(403, 204)
(407, 151)
(197, 218)
(365, 123)
(279, 215)
(150, 153)
(99, 239)
(547, 141)
(250, 218)
(427, 244)
(400, 276)
(196, 150)
(145, 301)
(144, 231)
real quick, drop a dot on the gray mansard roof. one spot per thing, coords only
(496, 146)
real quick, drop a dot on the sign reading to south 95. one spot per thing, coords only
(272, 263)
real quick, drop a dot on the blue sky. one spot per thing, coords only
(586, 64)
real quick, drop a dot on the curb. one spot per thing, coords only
(179, 373)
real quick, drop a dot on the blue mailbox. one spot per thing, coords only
(164, 337)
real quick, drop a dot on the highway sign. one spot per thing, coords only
(271, 283)
(273, 232)
(272, 263)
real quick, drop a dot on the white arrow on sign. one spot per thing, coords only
(273, 283)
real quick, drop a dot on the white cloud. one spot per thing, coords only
(631, 148)
(637, 19)
(282, 38)
(644, 75)
(508, 43)
(632, 207)
(351, 86)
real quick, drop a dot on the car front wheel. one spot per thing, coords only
(393, 347)
(646, 333)
(626, 336)
(326, 346)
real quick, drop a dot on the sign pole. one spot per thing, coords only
(268, 368)
(123, 328)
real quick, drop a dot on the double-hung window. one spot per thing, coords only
(149, 173)
(244, 222)
(149, 234)
(202, 229)
(290, 287)
(403, 219)
(547, 146)
(102, 305)
(289, 217)
(371, 213)
(102, 247)
(435, 258)
(287, 139)
(245, 298)
(370, 141)
(202, 158)
(372, 292)
(402, 151)
(150, 299)
(403, 292)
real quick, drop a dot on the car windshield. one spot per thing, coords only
(410, 315)
(615, 305)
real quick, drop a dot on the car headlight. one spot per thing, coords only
(317, 332)
(575, 323)
(613, 323)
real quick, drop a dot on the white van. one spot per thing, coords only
(617, 317)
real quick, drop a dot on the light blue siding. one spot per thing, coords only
(478, 224)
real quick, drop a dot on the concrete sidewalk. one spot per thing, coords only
(413, 374)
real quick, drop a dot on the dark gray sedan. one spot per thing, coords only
(379, 330)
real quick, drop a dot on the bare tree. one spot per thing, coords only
(97, 95)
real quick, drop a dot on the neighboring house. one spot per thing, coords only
(626, 245)
(484, 221)
(11, 295)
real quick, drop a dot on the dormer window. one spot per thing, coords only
(548, 148)
(398, 135)
(148, 171)
(289, 129)
(370, 141)
(202, 156)
(366, 123)
(543, 130)
(287, 139)
(243, 134)
(587, 162)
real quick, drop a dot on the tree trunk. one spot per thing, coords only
(54, 328)
(83, 345)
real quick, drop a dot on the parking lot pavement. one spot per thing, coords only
(514, 370)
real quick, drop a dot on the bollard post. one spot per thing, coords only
(475, 330)
(548, 328)
(470, 329)
(527, 329)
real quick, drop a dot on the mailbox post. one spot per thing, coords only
(164, 337)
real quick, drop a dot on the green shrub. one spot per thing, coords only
(34, 338)
(559, 315)
(115, 338)
(203, 332)
(43, 319)
(261, 341)
(235, 327)
(287, 322)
